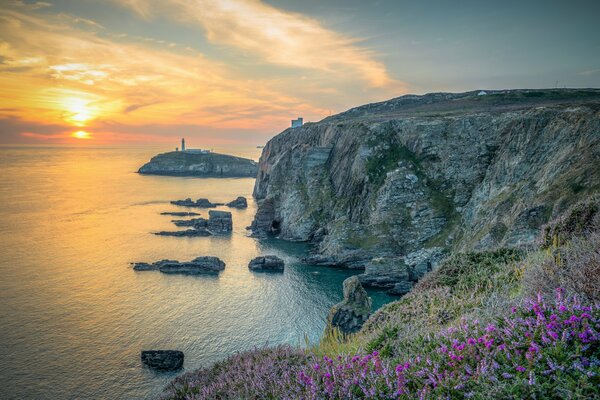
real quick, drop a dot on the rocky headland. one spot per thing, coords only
(208, 165)
(393, 187)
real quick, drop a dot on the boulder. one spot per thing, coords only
(167, 360)
(349, 315)
(240, 202)
(268, 263)
(219, 221)
(199, 265)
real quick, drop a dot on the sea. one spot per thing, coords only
(74, 316)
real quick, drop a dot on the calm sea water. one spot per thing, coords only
(74, 315)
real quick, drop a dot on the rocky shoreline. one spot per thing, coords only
(392, 187)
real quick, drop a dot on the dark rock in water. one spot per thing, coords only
(144, 266)
(240, 202)
(202, 203)
(350, 314)
(167, 360)
(199, 265)
(196, 223)
(267, 263)
(200, 164)
(180, 214)
(220, 221)
(186, 233)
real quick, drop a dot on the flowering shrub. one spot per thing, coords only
(549, 350)
(540, 349)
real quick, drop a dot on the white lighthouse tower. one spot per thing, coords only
(182, 144)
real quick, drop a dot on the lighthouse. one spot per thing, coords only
(182, 144)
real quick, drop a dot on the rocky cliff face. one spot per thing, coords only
(179, 163)
(406, 180)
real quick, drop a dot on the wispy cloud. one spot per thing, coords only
(72, 73)
(276, 36)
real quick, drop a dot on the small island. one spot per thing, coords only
(199, 163)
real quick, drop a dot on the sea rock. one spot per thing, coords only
(202, 203)
(167, 360)
(189, 163)
(199, 265)
(144, 266)
(185, 233)
(349, 315)
(240, 203)
(220, 222)
(196, 223)
(268, 263)
(180, 214)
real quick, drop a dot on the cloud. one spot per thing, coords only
(56, 72)
(278, 37)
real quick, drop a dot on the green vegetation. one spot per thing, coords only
(482, 325)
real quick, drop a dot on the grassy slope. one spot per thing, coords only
(484, 287)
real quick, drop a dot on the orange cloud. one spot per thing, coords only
(279, 37)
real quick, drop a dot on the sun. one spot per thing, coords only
(81, 135)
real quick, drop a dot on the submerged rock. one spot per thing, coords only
(186, 233)
(240, 202)
(180, 214)
(167, 360)
(267, 263)
(350, 314)
(199, 265)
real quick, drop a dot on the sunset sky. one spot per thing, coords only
(235, 72)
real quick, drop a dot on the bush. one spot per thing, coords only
(575, 267)
(580, 220)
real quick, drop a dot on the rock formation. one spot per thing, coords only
(240, 202)
(167, 360)
(218, 223)
(433, 173)
(201, 203)
(199, 265)
(180, 163)
(349, 315)
(180, 214)
(268, 263)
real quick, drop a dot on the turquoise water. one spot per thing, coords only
(74, 316)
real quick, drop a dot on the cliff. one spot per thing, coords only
(393, 186)
(179, 163)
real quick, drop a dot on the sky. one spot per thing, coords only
(235, 72)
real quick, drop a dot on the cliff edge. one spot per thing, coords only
(393, 186)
